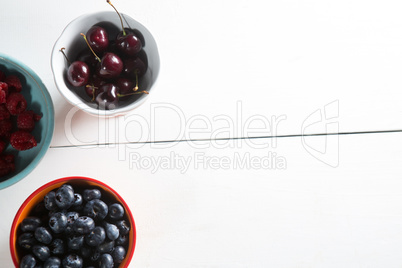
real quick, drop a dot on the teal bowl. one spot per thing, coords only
(40, 102)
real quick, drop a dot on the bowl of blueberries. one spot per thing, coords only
(73, 222)
(105, 63)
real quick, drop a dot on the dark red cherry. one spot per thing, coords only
(132, 66)
(88, 57)
(78, 74)
(98, 38)
(91, 91)
(125, 85)
(110, 66)
(97, 80)
(135, 32)
(111, 29)
(107, 99)
(93, 87)
(129, 44)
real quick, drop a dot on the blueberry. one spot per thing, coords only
(57, 247)
(64, 197)
(95, 237)
(69, 230)
(106, 261)
(50, 201)
(30, 224)
(124, 227)
(75, 242)
(77, 200)
(106, 247)
(96, 209)
(85, 251)
(52, 262)
(71, 217)
(112, 232)
(43, 235)
(42, 252)
(40, 209)
(116, 211)
(72, 261)
(95, 255)
(91, 194)
(118, 254)
(83, 225)
(58, 222)
(26, 240)
(28, 261)
(121, 240)
(68, 186)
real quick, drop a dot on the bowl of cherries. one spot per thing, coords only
(73, 222)
(105, 63)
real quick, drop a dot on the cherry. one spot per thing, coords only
(92, 88)
(87, 57)
(110, 66)
(107, 99)
(135, 32)
(128, 44)
(97, 81)
(98, 38)
(91, 91)
(125, 85)
(77, 72)
(134, 67)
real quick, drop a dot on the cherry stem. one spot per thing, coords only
(133, 93)
(93, 90)
(65, 56)
(121, 20)
(86, 40)
(136, 81)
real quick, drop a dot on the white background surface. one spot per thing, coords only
(299, 67)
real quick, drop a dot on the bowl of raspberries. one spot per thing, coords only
(26, 120)
(105, 63)
(73, 222)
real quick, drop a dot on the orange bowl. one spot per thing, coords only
(37, 196)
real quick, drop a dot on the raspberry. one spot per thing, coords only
(4, 113)
(22, 140)
(5, 128)
(37, 117)
(13, 83)
(26, 120)
(2, 96)
(3, 145)
(6, 164)
(9, 158)
(16, 103)
(3, 92)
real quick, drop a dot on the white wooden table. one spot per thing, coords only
(204, 191)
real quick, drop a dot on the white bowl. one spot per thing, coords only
(73, 42)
